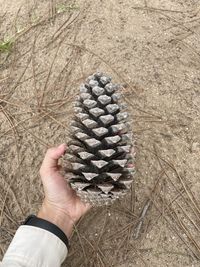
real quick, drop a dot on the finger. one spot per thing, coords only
(51, 158)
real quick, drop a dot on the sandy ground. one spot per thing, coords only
(153, 48)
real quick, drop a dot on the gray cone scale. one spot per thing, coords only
(100, 146)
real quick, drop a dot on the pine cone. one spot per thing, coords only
(100, 145)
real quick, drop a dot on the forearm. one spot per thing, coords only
(43, 242)
(57, 217)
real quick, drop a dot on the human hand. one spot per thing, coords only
(61, 205)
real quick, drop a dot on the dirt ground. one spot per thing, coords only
(47, 48)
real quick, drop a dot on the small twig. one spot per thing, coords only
(158, 9)
(141, 219)
(146, 208)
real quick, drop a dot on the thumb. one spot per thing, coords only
(51, 158)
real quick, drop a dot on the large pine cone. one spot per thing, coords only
(101, 143)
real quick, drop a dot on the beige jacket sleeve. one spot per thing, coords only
(34, 247)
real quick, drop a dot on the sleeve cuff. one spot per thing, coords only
(36, 247)
(33, 220)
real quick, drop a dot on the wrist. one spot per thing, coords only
(57, 217)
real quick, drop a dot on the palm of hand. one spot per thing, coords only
(63, 197)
